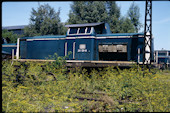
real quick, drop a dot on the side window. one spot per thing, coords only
(82, 30)
(88, 29)
(163, 54)
(73, 30)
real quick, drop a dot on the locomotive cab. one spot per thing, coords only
(90, 29)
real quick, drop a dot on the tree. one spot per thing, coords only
(118, 23)
(44, 21)
(126, 26)
(10, 36)
(99, 11)
(114, 16)
(87, 12)
(134, 16)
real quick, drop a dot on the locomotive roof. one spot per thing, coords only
(120, 34)
(84, 25)
(108, 32)
(45, 36)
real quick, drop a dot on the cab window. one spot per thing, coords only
(88, 29)
(82, 30)
(73, 31)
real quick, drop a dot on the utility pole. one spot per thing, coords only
(147, 50)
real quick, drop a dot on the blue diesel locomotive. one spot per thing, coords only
(86, 42)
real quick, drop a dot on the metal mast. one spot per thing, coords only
(147, 50)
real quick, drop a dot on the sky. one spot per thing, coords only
(18, 13)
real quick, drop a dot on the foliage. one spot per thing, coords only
(50, 87)
(126, 26)
(134, 16)
(44, 21)
(101, 11)
(87, 12)
(114, 16)
(12, 37)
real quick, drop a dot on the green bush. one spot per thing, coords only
(49, 87)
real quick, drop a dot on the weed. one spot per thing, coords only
(48, 87)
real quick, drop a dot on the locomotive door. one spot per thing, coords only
(70, 47)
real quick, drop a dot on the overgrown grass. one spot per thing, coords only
(48, 87)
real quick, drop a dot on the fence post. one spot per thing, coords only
(167, 58)
(17, 51)
(138, 55)
(12, 54)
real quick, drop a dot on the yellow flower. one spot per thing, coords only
(155, 77)
(23, 87)
(15, 100)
